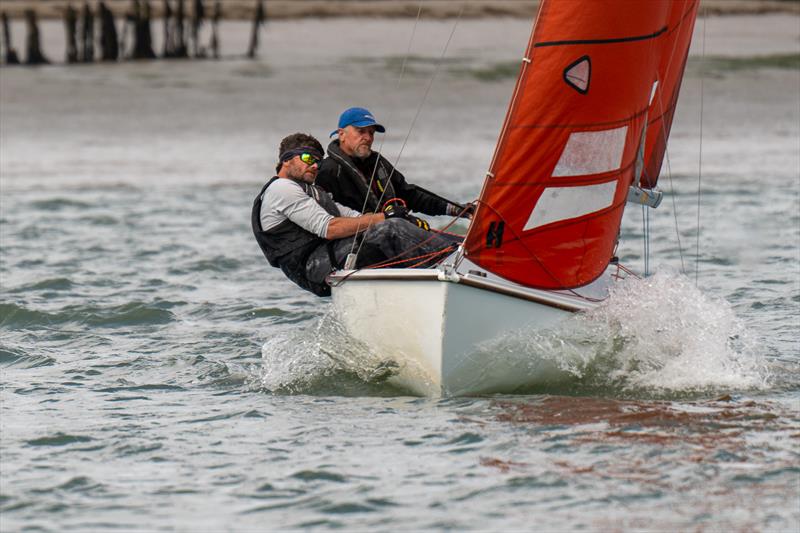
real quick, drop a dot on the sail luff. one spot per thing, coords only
(670, 76)
(506, 121)
(526, 61)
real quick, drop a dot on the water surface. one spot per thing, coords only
(156, 374)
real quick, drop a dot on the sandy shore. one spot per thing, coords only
(289, 9)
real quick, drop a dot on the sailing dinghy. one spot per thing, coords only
(585, 133)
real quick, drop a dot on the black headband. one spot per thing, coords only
(288, 154)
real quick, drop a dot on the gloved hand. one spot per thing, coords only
(396, 208)
(469, 210)
(420, 222)
(463, 211)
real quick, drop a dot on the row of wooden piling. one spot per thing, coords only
(84, 46)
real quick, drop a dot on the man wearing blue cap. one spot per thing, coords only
(365, 181)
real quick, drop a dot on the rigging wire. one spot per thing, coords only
(646, 239)
(669, 166)
(675, 212)
(700, 156)
(639, 173)
(383, 137)
(416, 115)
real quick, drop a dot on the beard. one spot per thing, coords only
(362, 151)
(303, 174)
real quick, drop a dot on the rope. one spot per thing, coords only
(419, 244)
(700, 159)
(391, 262)
(399, 79)
(533, 255)
(419, 258)
(386, 262)
(383, 137)
(416, 115)
(627, 270)
(433, 254)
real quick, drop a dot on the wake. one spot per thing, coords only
(655, 336)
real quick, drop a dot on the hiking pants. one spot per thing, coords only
(393, 239)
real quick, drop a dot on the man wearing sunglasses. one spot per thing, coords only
(304, 232)
(363, 179)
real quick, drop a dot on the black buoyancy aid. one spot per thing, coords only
(287, 245)
(378, 174)
(366, 171)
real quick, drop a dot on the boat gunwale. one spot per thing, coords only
(565, 302)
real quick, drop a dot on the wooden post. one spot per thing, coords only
(142, 38)
(258, 20)
(34, 51)
(108, 34)
(144, 32)
(11, 54)
(87, 33)
(168, 44)
(198, 14)
(133, 17)
(180, 40)
(71, 27)
(127, 19)
(214, 23)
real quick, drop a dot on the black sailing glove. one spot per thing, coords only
(469, 210)
(396, 208)
(420, 222)
(463, 211)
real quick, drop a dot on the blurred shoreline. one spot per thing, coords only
(293, 9)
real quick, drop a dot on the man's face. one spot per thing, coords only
(357, 142)
(297, 169)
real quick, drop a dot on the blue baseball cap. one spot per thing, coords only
(357, 116)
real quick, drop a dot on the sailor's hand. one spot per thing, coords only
(395, 208)
(469, 210)
(463, 211)
(419, 222)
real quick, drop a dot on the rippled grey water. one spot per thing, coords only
(155, 374)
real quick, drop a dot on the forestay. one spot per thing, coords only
(573, 140)
(665, 92)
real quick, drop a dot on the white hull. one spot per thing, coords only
(433, 324)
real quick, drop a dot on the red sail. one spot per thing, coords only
(551, 206)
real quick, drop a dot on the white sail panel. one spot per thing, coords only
(563, 203)
(592, 152)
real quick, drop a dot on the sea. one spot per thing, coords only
(157, 375)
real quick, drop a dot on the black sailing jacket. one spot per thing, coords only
(341, 177)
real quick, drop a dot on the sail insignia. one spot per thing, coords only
(494, 236)
(578, 74)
